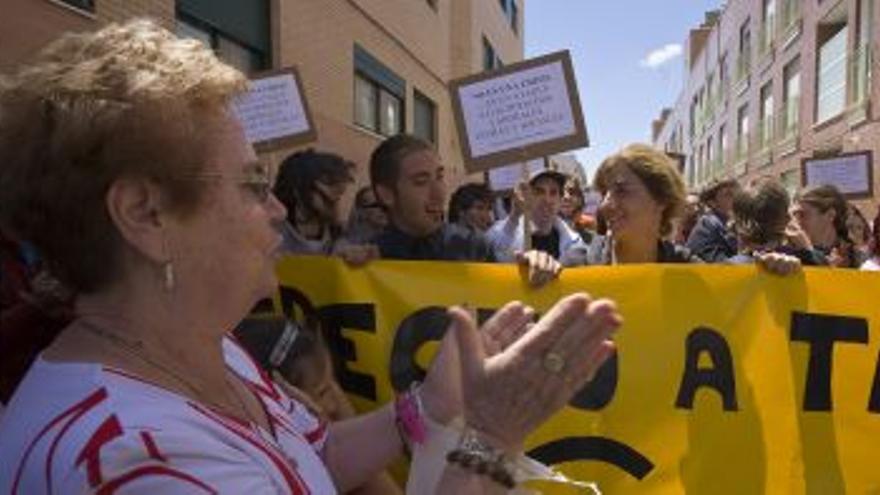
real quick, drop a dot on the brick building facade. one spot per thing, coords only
(771, 83)
(369, 69)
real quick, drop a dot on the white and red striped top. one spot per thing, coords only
(83, 428)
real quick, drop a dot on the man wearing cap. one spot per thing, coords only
(711, 240)
(542, 197)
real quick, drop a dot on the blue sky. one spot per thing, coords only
(611, 42)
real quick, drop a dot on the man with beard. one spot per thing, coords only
(408, 178)
(550, 234)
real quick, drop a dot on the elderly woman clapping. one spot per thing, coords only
(121, 160)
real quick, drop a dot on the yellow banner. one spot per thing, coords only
(726, 379)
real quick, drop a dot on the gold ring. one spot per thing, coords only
(553, 362)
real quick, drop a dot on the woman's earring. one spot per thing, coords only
(168, 268)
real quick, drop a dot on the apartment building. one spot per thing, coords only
(772, 84)
(370, 69)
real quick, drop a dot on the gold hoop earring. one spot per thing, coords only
(168, 268)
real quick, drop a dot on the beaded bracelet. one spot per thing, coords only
(475, 455)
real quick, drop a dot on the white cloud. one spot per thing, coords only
(661, 56)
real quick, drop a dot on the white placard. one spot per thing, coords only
(517, 110)
(851, 174)
(505, 178)
(272, 109)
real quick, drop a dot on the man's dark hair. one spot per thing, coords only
(300, 171)
(712, 190)
(386, 158)
(465, 196)
(761, 213)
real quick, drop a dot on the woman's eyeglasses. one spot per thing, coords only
(257, 183)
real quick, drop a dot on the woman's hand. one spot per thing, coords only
(540, 267)
(357, 255)
(796, 236)
(441, 392)
(509, 394)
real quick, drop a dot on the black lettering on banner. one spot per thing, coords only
(822, 331)
(602, 449)
(720, 377)
(598, 393)
(425, 325)
(874, 402)
(359, 317)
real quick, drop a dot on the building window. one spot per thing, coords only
(831, 77)
(768, 28)
(490, 56)
(511, 12)
(742, 133)
(237, 31)
(378, 95)
(722, 146)
(711, 155)
(366, 103)
(424, 117)
(87, 5)
(514, 16)
(791, 97)
(765, 132)
(743, 64)
(860, 61)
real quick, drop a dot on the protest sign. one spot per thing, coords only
(507, 177)
(274, 112)
(727, 380)
(851, 173)
(525, 110)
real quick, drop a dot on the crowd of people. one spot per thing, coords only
(139, 229)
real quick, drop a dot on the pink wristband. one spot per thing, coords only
(408, 408)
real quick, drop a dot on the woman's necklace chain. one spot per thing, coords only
(136, 348)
